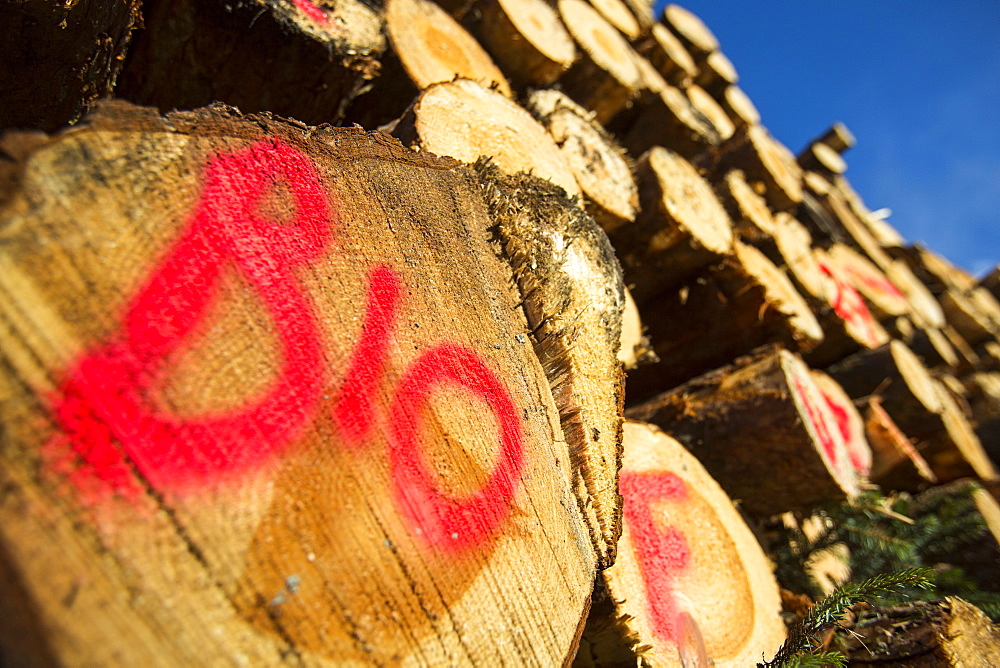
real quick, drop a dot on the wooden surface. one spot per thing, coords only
(270, 398)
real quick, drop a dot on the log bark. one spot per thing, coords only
(599, 163)
(692, 585)
(991, 281)
(526, 38)
(605, 78)
(967, 317)
(270, 398)
(762, 429)
(768, 164)
(60, 57)
(924, 308)
(948, 634)
(667, 54)
(743, 303)
(572, 290)
(194, 52)
(426, 46)
(681, 227)
(497, 127)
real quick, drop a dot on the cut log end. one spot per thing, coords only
(691, 29)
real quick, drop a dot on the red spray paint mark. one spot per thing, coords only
(106, 406)
(843, 420)
(662, 554)
(311, 10)
(876, 283)
(818, 421)
(849, 305)
(107, 395)
(444, 519)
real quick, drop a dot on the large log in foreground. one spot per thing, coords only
(293, 59)
(691, 586)
(763, 430)
(270, 397)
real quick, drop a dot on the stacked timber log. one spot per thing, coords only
(344, 376)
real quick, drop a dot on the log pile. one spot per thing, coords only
(333, 364)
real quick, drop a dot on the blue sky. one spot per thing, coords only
(917, 82)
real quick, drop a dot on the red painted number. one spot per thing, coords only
(109, 396)
(662, 553)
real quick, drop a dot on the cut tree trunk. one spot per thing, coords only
(526, 38)
(924, 308)
(768, 165)
(666, 53)
(636, 348)
(706, 105)
(856, 232)
(983, 391)
(885, 300)
(691, 30)
(740, 107)
(837, 137)
(848, 325)
(933, 270)
(822, 159)
(752, 220)
(495, 127)
(605, 77)
(968, 318)
(270, 397)
(60, 57)
(943, 634)
(669, 120)
(427, 46)
(573, 294)
(294, 59)
(716, 73)
(691, 586)
(991, 281)
(763, 430)
(848, 420)
(681, 228)
(743, 303)
(933, 348)
(790, 247)
(896, 464)
(620, 16)
(955, 451)
(599, 164)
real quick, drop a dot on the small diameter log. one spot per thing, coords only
(715, 73)
(671, 121)
(924, 308)
(494, 126)
(768, 165)
(908, 391)
(857, 233)
(617, 13)
(572, 291)
(947, 634)
(691, 30)
(752, 220)
(823, 226)
(847, 323)
(968, 359)
(427, 46)
(269, 397)
(790, 247)
(706, 105)
(599, 164)
(605, 77)
(934, 270)
(968, 318)
(763, 430)
(681, 227)
(896, 464)
(822, 159)
(955, 451)
(991, 281)
(526, 38)
(643, 12)
(848, 420)
(837, 137)
(743, 303)
(294, 59)
(933, 347)
(60, 57)
(691, 585)
(666, 53)
(741, 109)
(885, 300)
